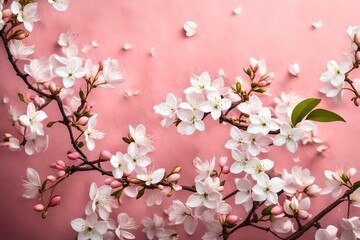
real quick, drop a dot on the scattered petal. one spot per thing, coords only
(296, 159)
(127, 46)
(238, 10)
(318, 24)
(294, 69)
(190, 28)
(94, 43)
(221, 72)
(322, 148)
(5, 100)
(153, 52)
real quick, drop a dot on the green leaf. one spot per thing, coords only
(80, 144)
(21, 97)
(117, 193)
(267, 211)
(302, 109)
(356, 185)
(82, 95)
(323, 115)
(140, 193)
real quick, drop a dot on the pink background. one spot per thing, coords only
(279, 31)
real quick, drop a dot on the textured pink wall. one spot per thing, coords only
(279, 31)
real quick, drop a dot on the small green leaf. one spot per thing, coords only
(82, 95)
(21, 98)
(117, 193)
(267, 211)
(238, 87)
(43, 186)
(140, 193)
(302, 109)
(356, 185)
(323, 115)
(50, 124)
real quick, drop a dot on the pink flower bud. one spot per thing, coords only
(53, 165)
(312, 190)
(303, 214)
(55, 201)
(61, 173)
(7, 135)
(60, 165)
(6, 14)
(262, 84)
(160, 187)
(126, 174)
(357, 55)
(108, 181)
(46, 85)
(4, 144)
(277, 210)
(115, 184)
(51, 178)
(222, 161)
(83, 121)
(39, 207)
(226, 170)
(72, 156)
(220, 188)
(174, 177)
(52, 87)
(105, 155)
(232, 219)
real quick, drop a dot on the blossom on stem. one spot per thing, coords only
(179, 213)
(136, 155)
(139, 135)
(71, 71)
(266, 189)
(167, 109)
(90, 228)
(335, 181)
(152, 226)
(111, 74)
(33, 120)
(204, 168)
(288, 136)
(27, 14)
(39, 70)
(206, 194)
(32, 185)
(251, 107)
(190, 121)
(36, 144)
(329, 233)
(257, 168)
(262, 122)
(238, 139)
(102, 200)
(121, 165)
(125, 223)
(297, 180)
(351, 228)
(215, 104)
(19, 50)
(152, 177)
(91, 133)
(243, 196)
(200, 83)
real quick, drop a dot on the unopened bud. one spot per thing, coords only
(222, 161)
(174, 177)
(51, 178)
(169, 194)
(303, 214)
(312, 190)
(160, 187)
(44, 214)
(357, 55)
(108, 180)
(263, 84)
(277, 210)
(60, 165)
(61, 173)
(83, 121)
(226, 170)
(55, 201)
(7, 135)
(19, 34)
(115, 184)
(4, 144)
(232, 219)
(39, 207)
(220, 188)
(53, 165)
(52, 87)
(105, 155)
(72, 156)
(176, 169)
(7, 14)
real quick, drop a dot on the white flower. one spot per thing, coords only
(14, 144)
(125, 223)
(150, 177)
(294, 69)
(200, 83)
(137, 155)
(266, 189)
(190, 28)
(214, 230)
(32, 185)
(353, 31)
(355, 198)
(285, 104)
(206, 194)
(152, 226)
(39, 70)
(120, 165)
(193, 101)
(243, 196)
(33, 120)
(251, 107)
(90, 228)
(297, 180)
(241, 161)
(215, 105)
(181, 214)
(111, 74)
(60, 5)
(262, 123)
(329, 233)
(333, 92)
(258, 66)
(258, 143)
(139, 135)
(335, 181)
(281, 224)
(190, 121)
(290, 136)
(205, 169)
(19, 50)
(36, 144)
(102, 200)
(297, 204)
(336, 73)
(27, 15)
(66, 39)
(257, 168)
(168, 108)
(239, 139)
(166, 234)
(351, 228)
(71, 71)
(91, 133)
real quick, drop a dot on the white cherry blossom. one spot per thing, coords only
(258, 143)
(240, 139)
(335, 181)
(329, 233)
(266, 189)
(91, 133)
(289, 136)
(72, 71)
(60, 5)
(215, 104)
(193, 101)
(102, 200)
(243, 196)
(336, 73)
(351, 228)
(281, 224)
(39, 70)
(90, 228)
(204, 168)
(111, 74)
(257, 168)
(27, 14)
(190, 121)
(297, 206)
(35, 143)
(200, 83)
(19, 50)
(333, 92)
(139, 135)
(137, 155)
(241, 161)
(251, 107)
(33, 120)
(125, 223)
(179, 213)
(120, 165)
(206, 194)
(262, 122)
(297, 180)
(32, 185)
(258, 66)
(152, 177)
(152, 226)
